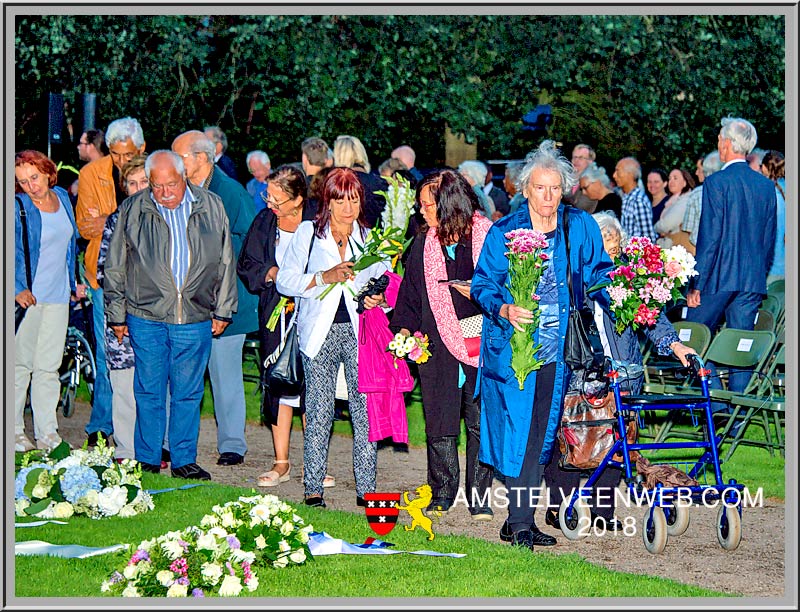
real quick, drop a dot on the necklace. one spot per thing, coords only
(341, 238)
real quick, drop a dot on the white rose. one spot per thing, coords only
(40, 491)
(172, 549)
(127, 511)
(63, 510)
(298, 556)
(253, 584)
(164, 577)
(112, 499)
(131, 591)
(131, 571)
(231, 586)
(261, 542)
(211, 572)
(283, 546)
(280, 562)
(20, 505)
(277, 521)
(207, 542)
(239, 555)
(227, 519)
(218, 532)
(260, 512)
(287, 528)
(176, 590)
(91, 499)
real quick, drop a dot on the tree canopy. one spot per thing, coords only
(651, 86)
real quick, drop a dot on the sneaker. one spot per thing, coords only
(190, 470)
(442, 506)
(523, 538)
(481, 514)
(539, 537)
(23, 444)
(152, 468)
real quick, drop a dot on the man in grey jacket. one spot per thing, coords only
(170, 283)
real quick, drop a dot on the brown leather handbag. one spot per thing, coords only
(588, 424)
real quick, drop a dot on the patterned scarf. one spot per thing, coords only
(439, 296)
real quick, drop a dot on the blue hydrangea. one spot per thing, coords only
(77, 481)
(22, 477)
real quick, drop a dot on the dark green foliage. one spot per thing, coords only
(650, 86)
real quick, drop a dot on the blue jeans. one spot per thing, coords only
(100, 419)
(174, 357)
(740, 309)
(227, 388)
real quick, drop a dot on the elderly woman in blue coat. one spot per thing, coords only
(518, 426)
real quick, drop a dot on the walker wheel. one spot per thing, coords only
(677, 519)
(654, 532)
(576, 521)
(729, 527)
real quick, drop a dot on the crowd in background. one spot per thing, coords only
(184, 257)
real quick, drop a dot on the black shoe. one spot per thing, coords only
(481, 514)
(165, 456)
(612, 524)
(150, 467)
(316, 501)
(92, 439)
(551, 518)
(439, 505)
(523, 538)
(540, 538)
(506, 535)
(230, 459)
(191, 470)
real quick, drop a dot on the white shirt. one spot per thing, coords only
(315, 317)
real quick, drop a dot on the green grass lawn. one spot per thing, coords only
(489, 569)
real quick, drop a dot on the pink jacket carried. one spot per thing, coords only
(382, 378)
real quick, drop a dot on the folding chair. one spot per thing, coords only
(251, 352)
(765, 320)
(777, 286)
(663, 371)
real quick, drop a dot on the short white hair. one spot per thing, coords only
(475, 170)
(741, 133)
(124, 129)
(257, 155)
(177, 162)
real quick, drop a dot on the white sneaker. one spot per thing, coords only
(23, 444)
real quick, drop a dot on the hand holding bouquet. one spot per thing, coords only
(413, 347)
(647, 277)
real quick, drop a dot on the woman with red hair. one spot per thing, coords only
(319, 255)
(39, 340)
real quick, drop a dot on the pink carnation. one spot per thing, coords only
(673, 269)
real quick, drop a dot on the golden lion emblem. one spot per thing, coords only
(416, 510)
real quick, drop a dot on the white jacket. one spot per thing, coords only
(315, 317)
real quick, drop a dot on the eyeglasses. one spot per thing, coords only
(270, 202)
(185, 155)
(574, 157)
(427, 204)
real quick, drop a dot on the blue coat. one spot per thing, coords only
(736, 241)
(505, 410)
(34, 220)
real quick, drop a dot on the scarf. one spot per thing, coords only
(439, 296)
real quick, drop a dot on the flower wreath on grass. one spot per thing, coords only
(64, 482)
(218, 557)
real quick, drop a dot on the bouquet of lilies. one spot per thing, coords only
(646, 278)
(382, 244)
(413, 347)
(399, 203)
(526, 262)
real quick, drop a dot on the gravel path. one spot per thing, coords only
(754, 569)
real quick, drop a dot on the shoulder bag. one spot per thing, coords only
(283, 370)
(583, 348)
(20, 311)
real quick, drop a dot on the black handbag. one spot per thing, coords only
(21, 311)
(583, 348)
(285, 375)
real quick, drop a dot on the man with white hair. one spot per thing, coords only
(259, 166)
(736, 240)
(582, 156)
(475, 173)
(407, 155)
(99, 194)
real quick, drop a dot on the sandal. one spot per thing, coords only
(327, 482)
(273, 478)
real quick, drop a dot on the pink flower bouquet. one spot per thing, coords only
(646, 278)
(413, 347)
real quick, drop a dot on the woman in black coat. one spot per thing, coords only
(261, 253)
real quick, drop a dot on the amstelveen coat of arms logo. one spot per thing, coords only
(382, 511)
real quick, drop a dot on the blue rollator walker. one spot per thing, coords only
(668, 507)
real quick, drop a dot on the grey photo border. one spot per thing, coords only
(788, 10)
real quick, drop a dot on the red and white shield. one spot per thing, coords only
(381, 512)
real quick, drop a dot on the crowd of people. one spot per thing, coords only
(183, 261)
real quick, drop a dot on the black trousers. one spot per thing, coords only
(443, 468)
(524, 490)
(558, 481)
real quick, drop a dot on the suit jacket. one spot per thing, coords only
(736, 241)
(226, 163)
(95, 190)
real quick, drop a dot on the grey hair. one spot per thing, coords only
(711, 163)
(177, 162)
(203, 144)
(547, 157)
(257, 155)
(512, 171)
(594, 173)
(741, 133)
(610, 225)
(475, 170)
(217, 136)
(123, 129)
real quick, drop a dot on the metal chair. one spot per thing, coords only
(765, 320)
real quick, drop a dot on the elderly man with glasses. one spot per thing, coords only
(582, 156)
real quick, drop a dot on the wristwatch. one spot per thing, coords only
(318, 279)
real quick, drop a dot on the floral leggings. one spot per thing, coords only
(339, 347)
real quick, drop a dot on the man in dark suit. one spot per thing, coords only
(221, 159)
(736, 239)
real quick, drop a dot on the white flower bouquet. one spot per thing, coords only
(65, 482)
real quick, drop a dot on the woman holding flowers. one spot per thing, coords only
(446, 249)
(322, 271)
(520, 413)
(263, 249)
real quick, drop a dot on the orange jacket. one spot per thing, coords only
(95, 190)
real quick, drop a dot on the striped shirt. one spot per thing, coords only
(637, 215)
(177, 220)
